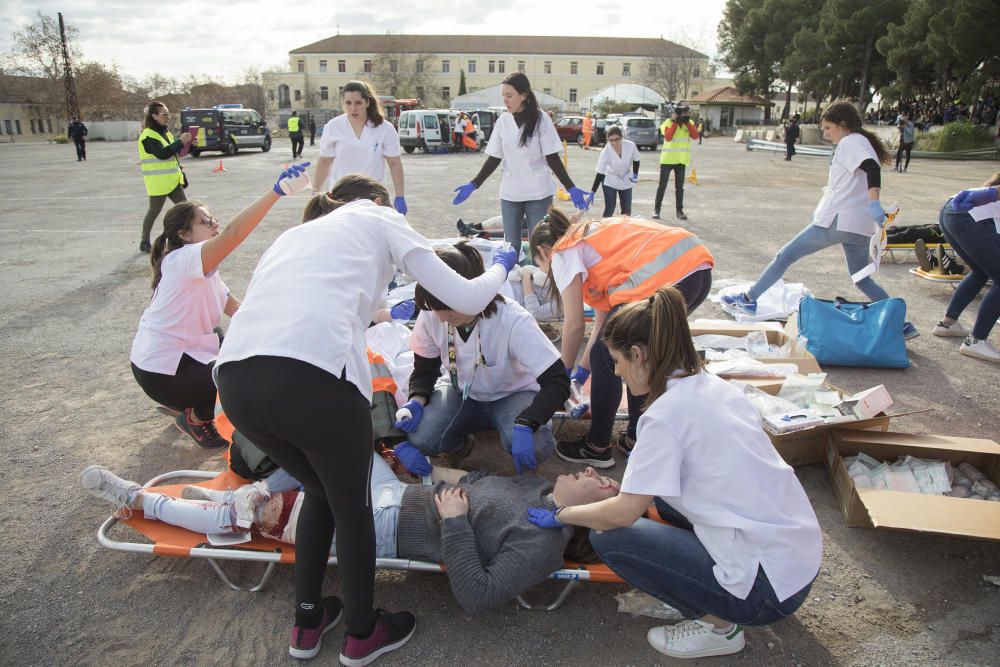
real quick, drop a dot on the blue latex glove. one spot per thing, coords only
(544, 518)
(633, 178)
(579, 198)
(523, 449)
(590, 199)
(969, 199)
(876, 211)
(292, 180)
(403, 310)
(399, 203)
(580, 375)
(409, 423)
(506, 258)
(412, 459)
(463, 192)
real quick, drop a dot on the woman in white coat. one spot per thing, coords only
(617, 172)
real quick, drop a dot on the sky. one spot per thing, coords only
(221, 39)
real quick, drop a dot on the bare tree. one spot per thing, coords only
(37, 49)
(671, 72)
(404, 75)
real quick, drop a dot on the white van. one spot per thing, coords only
(426, 129)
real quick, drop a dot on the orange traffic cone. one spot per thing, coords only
(693, 178)
(220, 169)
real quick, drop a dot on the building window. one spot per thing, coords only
(445, 66)
(302, 66)
(502, 66)
(600, 69)
(393, 66)
(696, 72)
(420, 66)
(652, 69)
(520, 65)
(32, 125)
(270, 96)
(283, 101)
(547, 91)
(474, 89)
(17, 125)
(626, 69)
(573, 67)
(472, 67)
(367, 66)
(547, 67)
(340, 91)
(324, 93)
(694, 93)
(572, 94)
(298, 95)
(446, 92)
(492, 67)
(341, 66)
(10, 128)
(48, 123)
(420, 92)
(322, 65)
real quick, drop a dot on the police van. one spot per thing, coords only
(226, 128)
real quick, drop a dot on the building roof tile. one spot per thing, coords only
(729, 96)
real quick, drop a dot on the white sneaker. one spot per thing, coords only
(104, 484)
(695, 639)
(954, 330)
(980, 349)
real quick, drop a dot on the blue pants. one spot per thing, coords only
(517, 214)
(447, 419)
(978, 244)
(813, 239)
(671, 564)
(609, 200)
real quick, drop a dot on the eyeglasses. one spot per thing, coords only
(162, 113)
(211, 222)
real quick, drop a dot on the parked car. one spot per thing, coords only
(485, 120)
(570, 128)
(643, 131)
(226, 128)
(425, 129)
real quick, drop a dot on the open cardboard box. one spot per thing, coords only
(798, 355)
(895, 510)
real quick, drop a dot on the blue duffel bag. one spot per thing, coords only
(846, 333)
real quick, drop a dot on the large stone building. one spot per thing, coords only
(431, 66)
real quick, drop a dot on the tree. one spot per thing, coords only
(401, 74)
(671, 71)
(37, 49)
(103, 95)
(461, 82)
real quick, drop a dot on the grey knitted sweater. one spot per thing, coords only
(493, 554)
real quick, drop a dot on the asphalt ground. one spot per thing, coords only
(74, 286)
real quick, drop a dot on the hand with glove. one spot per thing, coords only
(580, 375)
(590, 199)
(411, 458)
(408, 416)
(463, 192)
(969, 199)
(579, 198)
(403, 311)
(877, 212)
(633, 178)
(544, 518)
(506, 257)
(523, 448)
(292, 180)
(399, 203)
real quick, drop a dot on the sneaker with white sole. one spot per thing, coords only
(695, 639)
(741, 302)
(980, 349)
(391, 631)
(204, 434)
(954, 330)
(306, 642)
(910, 331)
(121, 493)
(582, 451)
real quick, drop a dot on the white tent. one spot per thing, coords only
(491, 97)
(629, 93)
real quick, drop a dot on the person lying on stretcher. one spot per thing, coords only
(473, 523)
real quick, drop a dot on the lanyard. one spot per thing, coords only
(453, 366)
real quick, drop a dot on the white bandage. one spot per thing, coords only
(403, 413)
(295, 184)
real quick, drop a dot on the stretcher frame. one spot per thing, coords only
(572, 573)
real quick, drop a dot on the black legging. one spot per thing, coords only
(665, 170)
(156, 205)
(904, 148)
(606, 387)
(317, 427)
(190, 387)
(297, 143)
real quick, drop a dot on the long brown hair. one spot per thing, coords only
(552, 227)
(519, 82)
(375, 113)
(846, 114)
(349, 188)
(177, 220)
(659, 325)
(468, 263)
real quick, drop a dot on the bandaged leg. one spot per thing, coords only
(210, 518)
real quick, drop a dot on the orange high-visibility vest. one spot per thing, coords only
(381, 376)
(637, 258)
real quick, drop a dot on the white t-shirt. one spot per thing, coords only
(316, 289)
(365, 155)
(701, 448)
(616, 169)
(514, 351)
(186, 306)
(572, 261)
(845, 196)
(526, 174)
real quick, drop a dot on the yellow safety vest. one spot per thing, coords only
(293, 124)
(677, 150)
(161, 176)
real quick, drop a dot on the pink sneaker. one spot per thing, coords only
(391, 631)
(306, 642)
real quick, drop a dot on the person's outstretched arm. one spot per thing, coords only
(462, 295)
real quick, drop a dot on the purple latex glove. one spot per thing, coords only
(403, 310)
(523, 448)
(412, 459)
(970, 199)
(544, 518)
(408, 416)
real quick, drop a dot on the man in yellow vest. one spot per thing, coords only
(295, 134)
(677, 131)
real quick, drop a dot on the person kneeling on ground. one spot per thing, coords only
(744, 545)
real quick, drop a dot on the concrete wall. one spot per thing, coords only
(114, 130)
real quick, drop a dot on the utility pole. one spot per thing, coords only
(72, 105)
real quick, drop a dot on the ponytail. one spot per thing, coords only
(177, 220)
(553, 227)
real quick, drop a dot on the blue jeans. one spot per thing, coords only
(813, 239)
(978, 244)
(670, 563)
(517, 214)
(609, 200)
(447, 419)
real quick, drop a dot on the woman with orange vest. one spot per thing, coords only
(604, 265)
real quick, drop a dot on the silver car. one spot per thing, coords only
(642, 131)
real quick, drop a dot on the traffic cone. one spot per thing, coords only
(693, 178)
(220, 169)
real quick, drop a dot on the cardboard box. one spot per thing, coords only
(916, 512)
(798, 355)
(866, 404)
